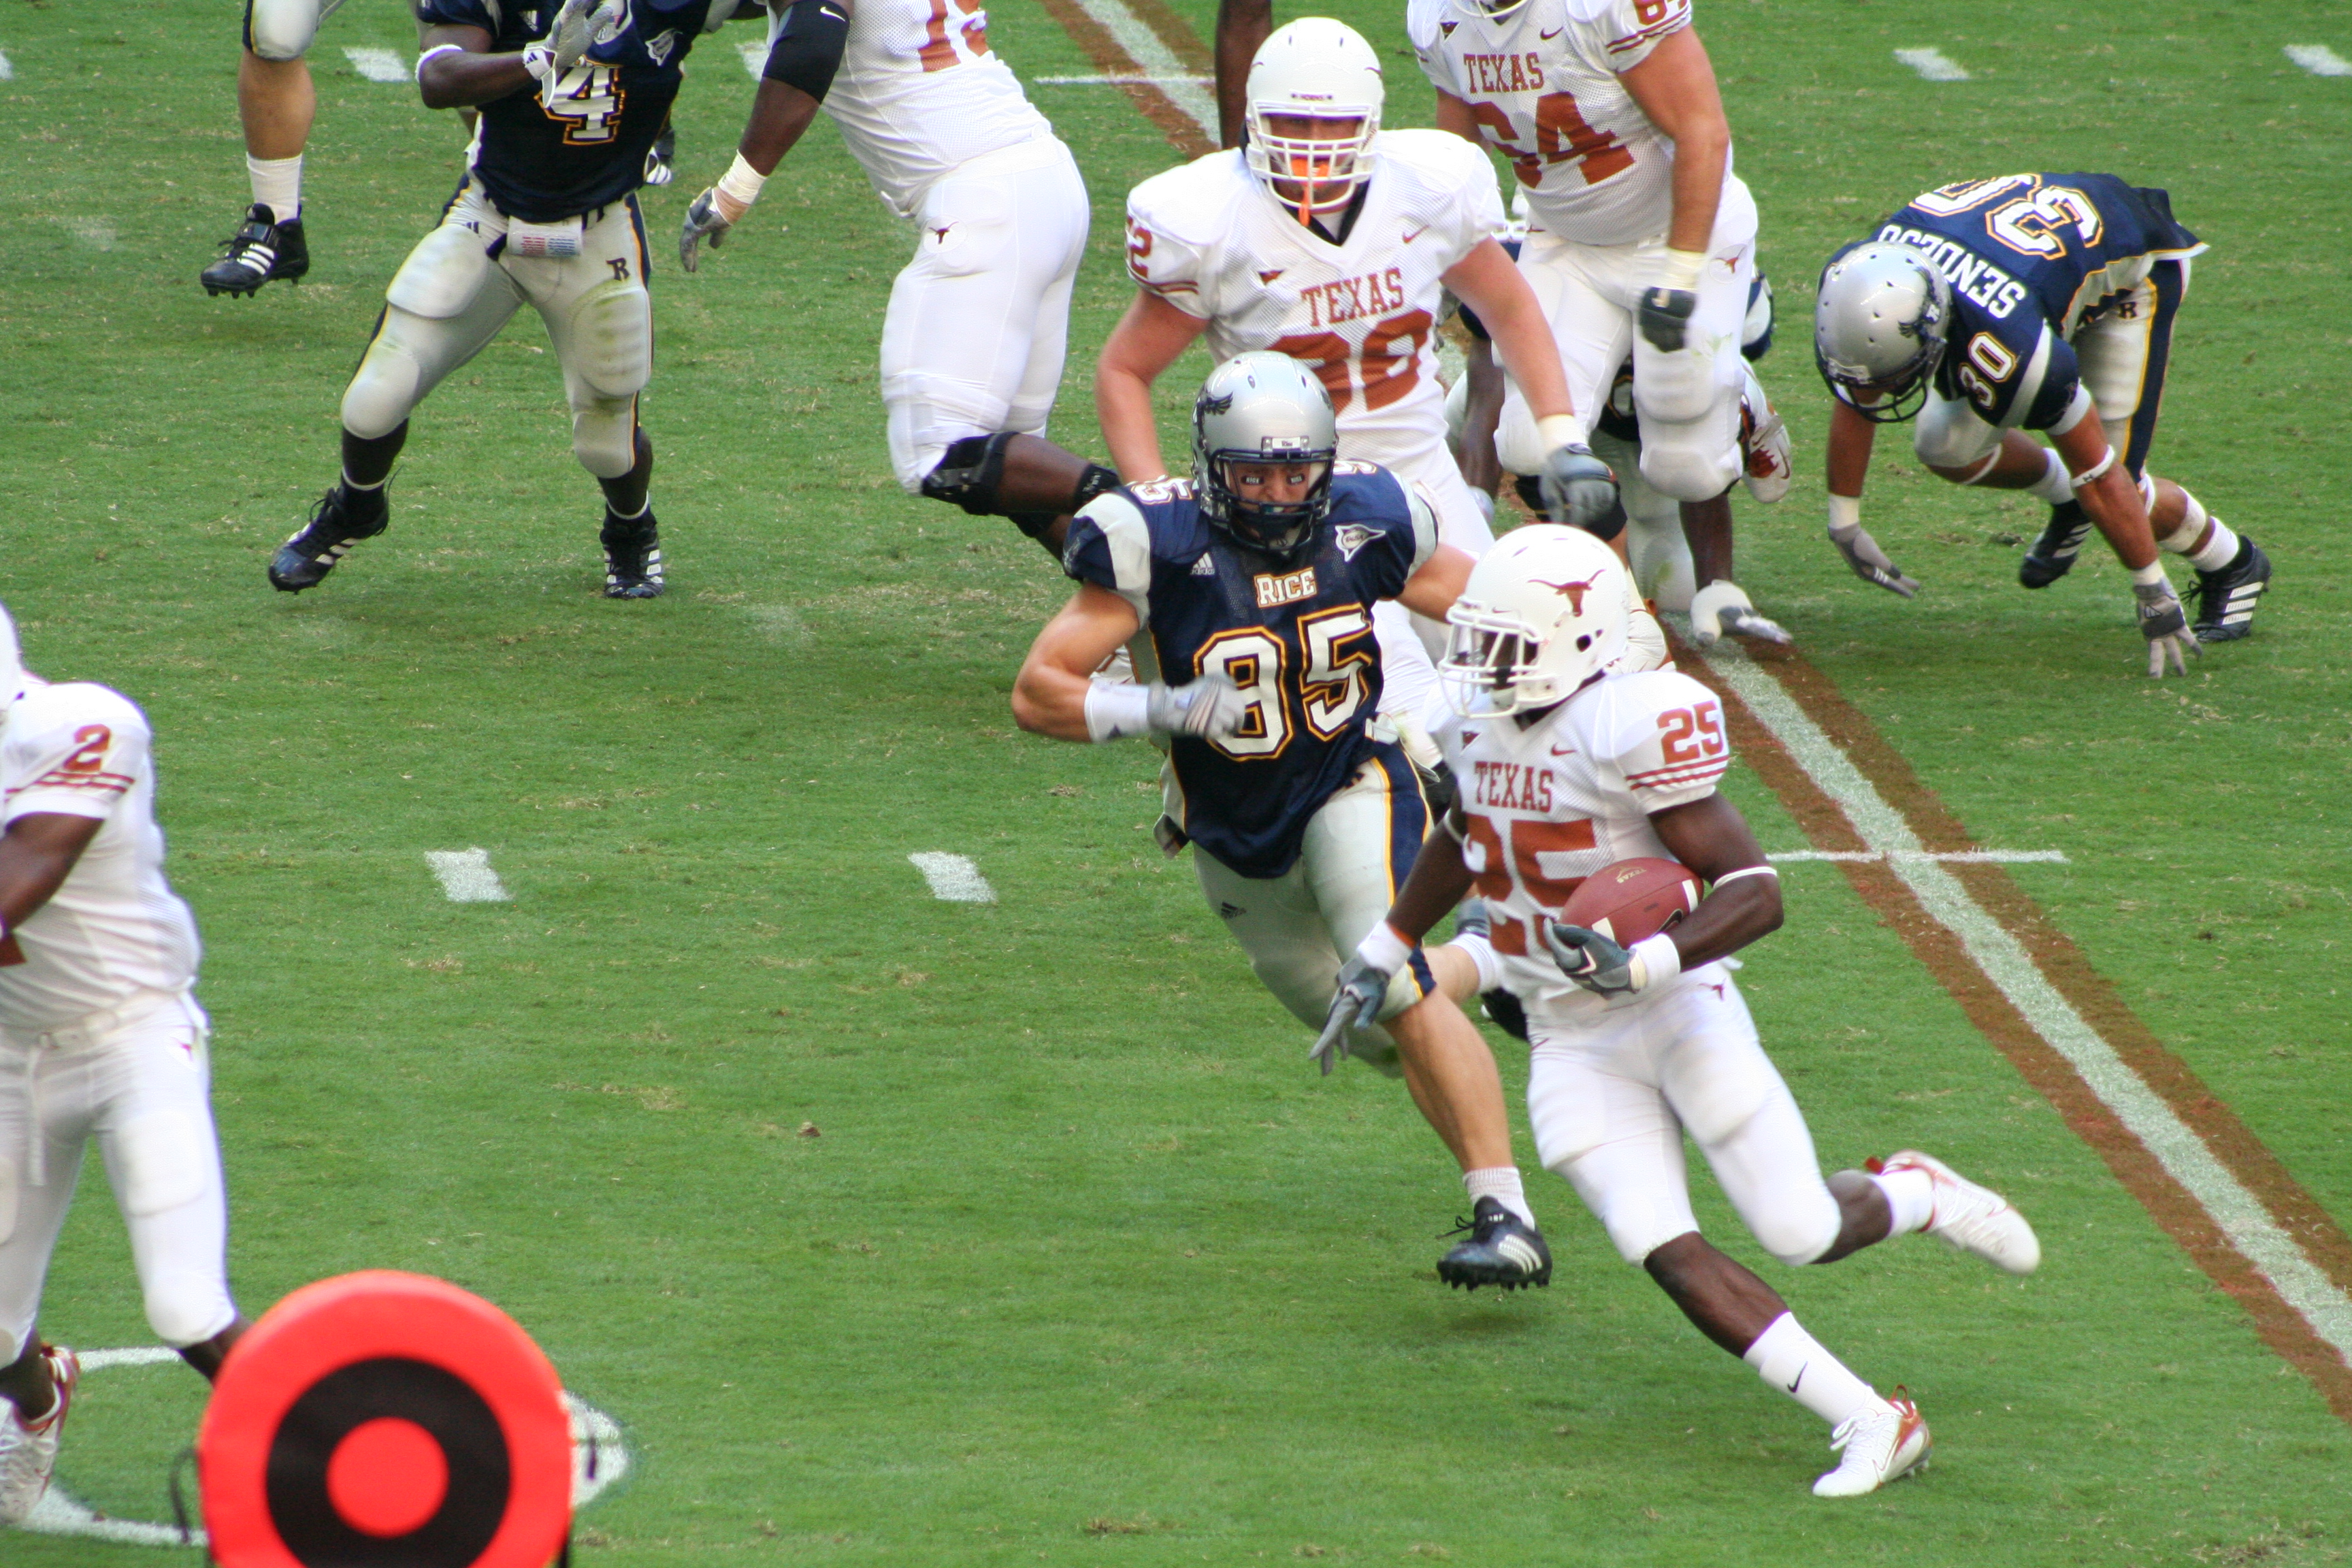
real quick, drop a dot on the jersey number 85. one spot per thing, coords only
(1336, 652)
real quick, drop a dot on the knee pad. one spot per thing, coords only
(604, 438)
(1687, 472)
(1674, 388)
(1800, 1227)
(382, 393)
(968, 473)
(281, 29)
(611, 338)
(188, 1308)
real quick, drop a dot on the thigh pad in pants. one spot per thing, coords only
(281, 29)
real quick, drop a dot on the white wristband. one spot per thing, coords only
(1845, 514)
(1656, 960)
(1558, 430)
(538, 60)
(441, 49)
(737, 189)
(2093, 474)
(1117, 709)
(1680, 269)
(1770, 871)
(1383, 949)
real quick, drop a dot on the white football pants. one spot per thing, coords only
(979, 322)
(1688, 401)
(135, 1078)
(451, 297)
(1611, 1095)
(1299, 927)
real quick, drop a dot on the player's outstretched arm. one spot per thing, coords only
(1743, 900)
(1145, 343)
(1049, 697)
(800, 66)
(1431, 590)
(1851, 438)
(1242, 26)
(457, 70)
(37, 853)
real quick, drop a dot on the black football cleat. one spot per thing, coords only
(633, 562)
(1502, 1249)
(341, 519)
(661, 158)
(262, 251)
(2052, 555)
(2225, 599)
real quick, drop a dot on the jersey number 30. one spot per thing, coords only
(1332, 688)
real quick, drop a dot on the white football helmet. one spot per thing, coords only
(1543, 612)
(1324, 72)
(12, 666)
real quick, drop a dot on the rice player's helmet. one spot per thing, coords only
(1543, 612)
(1323, 71)
(12, 666)
(1880, 317)
(1263, 407)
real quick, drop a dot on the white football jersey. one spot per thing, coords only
(1551, 803)
(1542, 83)
(918, 93)
(115, 928)
(1212, 241)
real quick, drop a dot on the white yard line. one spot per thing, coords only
(2317, 58)
(755, 60)
(379, 65)
(953, 878)
(1124, 78)
(466, 876)
(1157, 63)
(1935, 65)
(8, 71)
(2003, 960)
(1962, 857)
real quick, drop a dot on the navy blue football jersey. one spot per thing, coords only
(586, 147)
(2030, 259)
(1297, 638)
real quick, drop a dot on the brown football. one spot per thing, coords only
(1634, 898)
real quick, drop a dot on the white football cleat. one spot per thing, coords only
(1970, 1218)
(1876, 1447)
(28, 1451)
(1764, 450)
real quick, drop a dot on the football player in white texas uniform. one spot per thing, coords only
(1565, 769)
(1333, 241)
(978, 324)
(1644, 240)
(98, 1038)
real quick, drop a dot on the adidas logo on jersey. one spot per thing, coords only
(1286, 588)
(1206, 566)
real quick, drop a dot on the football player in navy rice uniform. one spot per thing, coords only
(571, 100)
(2030, 302)
(1251, 586)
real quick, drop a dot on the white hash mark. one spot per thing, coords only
(953, 878)
(1949, 857)
(755, 60)
(378, 65)
(8, 71)
(2319, 59)
(1935, 65)
(466, 876)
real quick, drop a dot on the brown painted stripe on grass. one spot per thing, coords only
(1177, 34)
(1111, 59)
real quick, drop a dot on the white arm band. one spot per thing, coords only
(437, 49)
(1680, 269)
(1558, 430)
(1656, 960)
(737, 189)
(1770, 871)
(1383, 949)
(1117, 709)
(1845, 514)
(2096, 471)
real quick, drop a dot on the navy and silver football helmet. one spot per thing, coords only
(1263, 407)
(1880, 318)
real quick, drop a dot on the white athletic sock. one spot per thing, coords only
(1911, 1196)
(1482, 953)
(1793, 1362)
(2220, 550)
(2054, 485)
(276, 184)
(1500, 1182)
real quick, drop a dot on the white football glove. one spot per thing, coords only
(2165, 625)
(1722, 607)
(703, 221)
(577, 29)
(1212, 709)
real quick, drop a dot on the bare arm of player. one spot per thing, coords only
(2112, 502)
(780, 113)
(1675, 87)
(1242, 26)
(1453, 114)
(1713, 839)
(1489, 282)
(1851, 438)
(1438, 881)
(465, 73)
(1145, 343)
(1481, 468)
(1049, 698)
(1431, 590)
(37, 853)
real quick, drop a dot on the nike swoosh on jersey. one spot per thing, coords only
(1563, 750)
(1555, 33)
(1416, 234)
(1269, 276)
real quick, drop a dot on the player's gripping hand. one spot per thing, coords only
(1592, 961)
(1356, 1004)
(577, 29)
(1577, 487)
(1211, 708)
(1664, 317)
(703, 221)
(1722, 608)
(2165, 625)
(1869, 561)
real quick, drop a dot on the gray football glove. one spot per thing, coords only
(1590, 959)
(1577, 487)
(1356, 1004)
(702, 222)
(1870, 563)
(1665, 316)
(1211, 708)
(2165, 625)
(577, 29)
(1722, 608)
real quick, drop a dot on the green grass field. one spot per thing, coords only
(894, 1230)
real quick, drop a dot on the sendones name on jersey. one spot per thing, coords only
(1284, 588)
